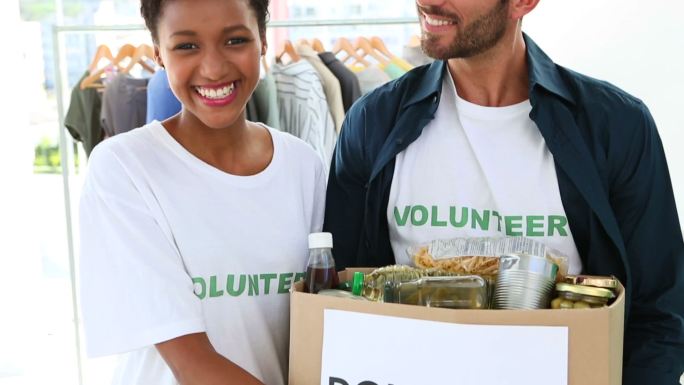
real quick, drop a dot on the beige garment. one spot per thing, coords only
(331, 85)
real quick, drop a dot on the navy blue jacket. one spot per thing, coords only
(612, 175)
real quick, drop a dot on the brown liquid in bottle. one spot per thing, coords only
(318, 279)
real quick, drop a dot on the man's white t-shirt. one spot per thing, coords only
(477, 171)
(171, 246)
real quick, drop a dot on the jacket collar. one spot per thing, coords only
(430, 84)
(542, 71)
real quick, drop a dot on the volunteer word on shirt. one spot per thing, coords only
(173, 246)
(477, 171)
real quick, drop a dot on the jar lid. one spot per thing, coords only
(585, 290)
(592, 280)
(320, 241)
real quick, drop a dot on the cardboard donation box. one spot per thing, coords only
(341, 341)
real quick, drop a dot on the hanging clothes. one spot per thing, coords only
(161, 102)
(349, 83)
(393, 70)
(82, 119)
(331, 86)
(124, 104)
(303, 107)
(415, 55)
(401, 63)
(370, 78)
(265, 99)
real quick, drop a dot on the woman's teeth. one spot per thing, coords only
(216, 93)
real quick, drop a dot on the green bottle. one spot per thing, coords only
(357, 283)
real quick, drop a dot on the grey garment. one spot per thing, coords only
(265, 98)
(349, 83)
(371, 78)
(304, 110)
(331, 86)
(124, 104)
(82, 120)
(416, 56)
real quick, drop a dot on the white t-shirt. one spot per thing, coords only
(477, 171)
(171, 246)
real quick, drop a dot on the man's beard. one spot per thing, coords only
(473, 39)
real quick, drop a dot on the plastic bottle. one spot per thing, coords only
(358, 283)
(320, 269)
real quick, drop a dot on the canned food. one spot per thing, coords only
(524, 282)
(580, 297)
(592, 280)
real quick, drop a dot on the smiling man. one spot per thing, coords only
(494, 139)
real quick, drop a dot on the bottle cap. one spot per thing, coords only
(357, 283)
(320, 241)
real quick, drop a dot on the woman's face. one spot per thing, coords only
(211, 51)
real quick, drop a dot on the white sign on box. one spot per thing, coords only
(369, 349)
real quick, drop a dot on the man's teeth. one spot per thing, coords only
(438, 22)
(216, 93)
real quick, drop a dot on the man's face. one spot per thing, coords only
(461, 29)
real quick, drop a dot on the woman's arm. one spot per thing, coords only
(194, 361)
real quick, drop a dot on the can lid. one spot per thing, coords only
(357, 283)
(585, 290)
(592, 280)
(320, 241)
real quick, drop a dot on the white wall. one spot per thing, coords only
(19, 259)
(636, 45)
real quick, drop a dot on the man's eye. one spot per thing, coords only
(185, 46)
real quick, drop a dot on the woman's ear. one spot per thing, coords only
(264, 45)
(157, 56)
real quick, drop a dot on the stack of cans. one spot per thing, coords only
(524, 282)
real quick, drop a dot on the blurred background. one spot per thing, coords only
(635, 45)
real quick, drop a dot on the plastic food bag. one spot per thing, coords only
(480, 256)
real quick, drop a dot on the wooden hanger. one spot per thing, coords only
(102, 52)
(317, 45)
(342, 44)
(92, 81)
(364, 44)
(140, 56)
(414, 41)
(314, 43)
(379, 46)
(288, 49)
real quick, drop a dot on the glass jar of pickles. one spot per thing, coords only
(580, 297)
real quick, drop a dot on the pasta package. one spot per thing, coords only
(480, 256)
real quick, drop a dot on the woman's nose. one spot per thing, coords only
(214, 64)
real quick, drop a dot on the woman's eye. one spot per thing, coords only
(185, 46)
(236, 41)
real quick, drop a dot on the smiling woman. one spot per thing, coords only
(212, 63)
(205, 193)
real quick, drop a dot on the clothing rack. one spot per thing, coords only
(66, 143)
